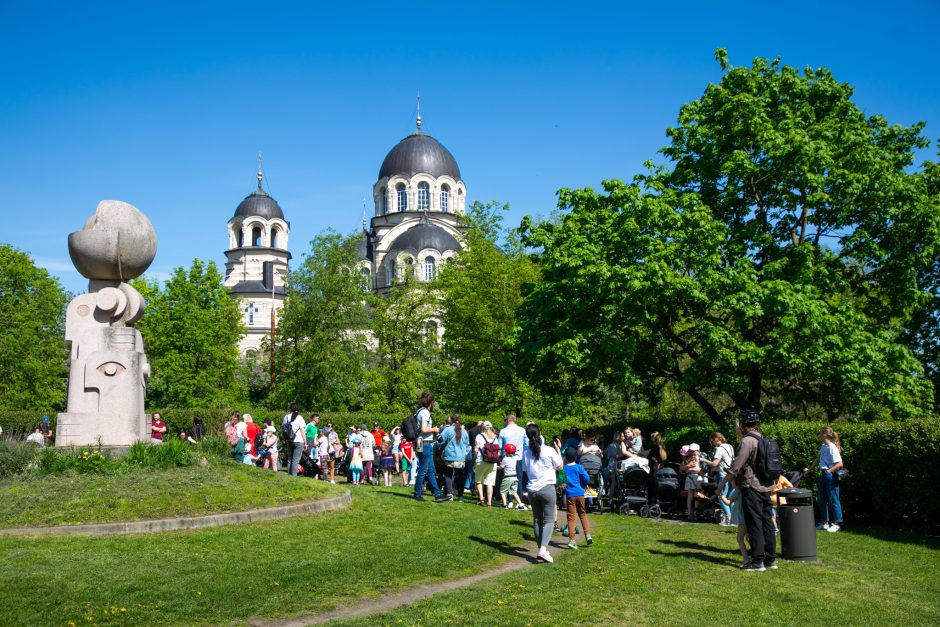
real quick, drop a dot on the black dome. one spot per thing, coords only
(419, 153)
(423, 236)
(258, 203)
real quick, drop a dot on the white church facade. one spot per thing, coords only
(419, 199)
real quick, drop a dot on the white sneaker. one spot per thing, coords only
(822, 527)
(543, 554)
(521, 507)
(833, 528)
(333, 481)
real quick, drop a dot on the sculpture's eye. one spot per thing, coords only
(111, 369)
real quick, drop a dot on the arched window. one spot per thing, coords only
(424, 196)
(429, 269)
(445, 198)
(402, 197)
(392, 272)
(241, 238)
(366, 279)
(256, 236)
(384, 201)
(273, 238)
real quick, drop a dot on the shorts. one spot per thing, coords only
(509, 485)
(388, 463)
(405, 464)
(485, 473)
(693, 482)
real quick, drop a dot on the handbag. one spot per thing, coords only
(842, 474)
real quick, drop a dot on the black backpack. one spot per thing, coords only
(259, 441)
(409, 428)
(767, 466)
(287, 430)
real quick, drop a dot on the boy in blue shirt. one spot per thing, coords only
(576, 480)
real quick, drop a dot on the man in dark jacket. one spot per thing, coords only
(754, 494)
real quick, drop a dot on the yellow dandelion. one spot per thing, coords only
(123, 609)
(277, 583)
(199, 593)
(499, 601)
(522, 586)
(71, 623)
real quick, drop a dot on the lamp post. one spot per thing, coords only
(273, 369)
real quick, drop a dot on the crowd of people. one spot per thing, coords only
(514, 467)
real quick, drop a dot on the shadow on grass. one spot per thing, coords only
(904, 536)
(505, 548)
(684, 544)
(696, 555)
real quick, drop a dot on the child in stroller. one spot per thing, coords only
(633, 488)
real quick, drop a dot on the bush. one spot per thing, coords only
(16, 457)
(20, 423)
(171, 454)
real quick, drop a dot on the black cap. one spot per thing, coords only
(748, 417)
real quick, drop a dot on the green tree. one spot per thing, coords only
(191, 329)
(323, 338)
(773, 266)
(33, 355)
(406, 354)
(482, 288)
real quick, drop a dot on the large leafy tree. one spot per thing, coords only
(482, 288)
(191, 329)
(406, 354)
(322, 340)
(33, 355)
(773, 266)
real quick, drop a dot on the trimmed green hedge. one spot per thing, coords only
(19, 424)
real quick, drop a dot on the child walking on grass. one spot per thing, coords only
(509, 486)
(737, 518)
(387, 461)
(576, 479)
(355, 464)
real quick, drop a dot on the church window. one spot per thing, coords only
(392, 272)
(366, 275)
(384, 201)
(429, 269)
(256, 236)
(241, 238)
(250, 311)
(402, 197)
(445, 198)
(424, 197)
(273, 238)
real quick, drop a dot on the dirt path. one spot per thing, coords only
(520, 559)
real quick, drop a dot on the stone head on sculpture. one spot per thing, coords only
(108, 367)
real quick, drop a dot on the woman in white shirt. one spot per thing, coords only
(830, 462)
(541, 464)
(721, 460)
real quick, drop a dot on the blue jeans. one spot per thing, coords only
(829, 496)
(470, 480)
(426, 470)
(725, 509)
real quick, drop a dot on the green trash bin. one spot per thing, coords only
(797, 525)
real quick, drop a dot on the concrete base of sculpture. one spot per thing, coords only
(97, 429)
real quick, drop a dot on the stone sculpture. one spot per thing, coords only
(108, 367)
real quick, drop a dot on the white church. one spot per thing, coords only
(417, 198)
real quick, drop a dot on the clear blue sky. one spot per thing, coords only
(166, 105)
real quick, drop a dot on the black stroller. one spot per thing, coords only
(665, 492)
(309, 467)
(592, 465)
(633, 493)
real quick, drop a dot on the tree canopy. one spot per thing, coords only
(774, 264)
(33, 355)
(191, 330)
(322, 336)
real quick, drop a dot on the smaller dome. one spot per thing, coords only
(259, 204)
(423, 236)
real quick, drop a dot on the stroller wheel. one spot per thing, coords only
(645, 511)
(624, 509)
(718, 515)
(656, 512)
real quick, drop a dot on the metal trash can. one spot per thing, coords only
(797, 525)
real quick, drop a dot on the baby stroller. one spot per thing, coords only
(592, 501)
(633, 492)
(309, 467)
(665, 492)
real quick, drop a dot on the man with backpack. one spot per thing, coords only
(757, 460)
(426, 434)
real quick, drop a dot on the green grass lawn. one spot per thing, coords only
(638, 571)
(149, 493)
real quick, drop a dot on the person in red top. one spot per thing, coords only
(378, 434)
(157, 429)
(251, 431)
(407, 460)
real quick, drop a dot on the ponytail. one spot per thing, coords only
(458, 431)
(831, 435)
(294, 410)
(534, 434)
